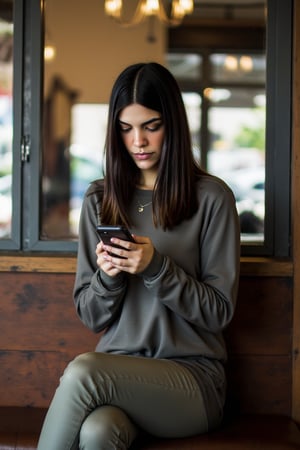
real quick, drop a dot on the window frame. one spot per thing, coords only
(277, 236)
(278, 130)
(27, 119)
(32, 183)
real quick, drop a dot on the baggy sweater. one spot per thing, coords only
(178, 307)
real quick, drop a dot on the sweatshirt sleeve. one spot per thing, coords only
(97, 297)
(208, 300)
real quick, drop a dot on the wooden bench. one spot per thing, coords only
(19, 430)
(40, 333)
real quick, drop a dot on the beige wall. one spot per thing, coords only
(92, 49)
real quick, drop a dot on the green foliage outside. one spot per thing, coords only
(252, 136)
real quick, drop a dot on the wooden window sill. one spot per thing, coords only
(250, 266)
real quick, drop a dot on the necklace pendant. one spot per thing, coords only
(142, 207)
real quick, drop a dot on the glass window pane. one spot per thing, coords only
(238, 68)
(56, 161)
(185, 66)
(76, 160)
(192, 102)
(80, 65)
(236, 121)
(6, 131)
(73, 132)
(86, 154)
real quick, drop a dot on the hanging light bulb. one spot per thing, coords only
(177, 10)
(113, 8)
(148, 8)
(187, 5)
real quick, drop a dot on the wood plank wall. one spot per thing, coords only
(40, 333)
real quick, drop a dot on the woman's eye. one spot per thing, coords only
(125, 129)
(154, 127)
(149, 127)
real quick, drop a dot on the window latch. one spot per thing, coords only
(25, 148)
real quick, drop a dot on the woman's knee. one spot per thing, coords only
(80, 369)
(82, 365)
(107, 427)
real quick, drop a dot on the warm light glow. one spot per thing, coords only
(246, 63)
(216, 95)
(187, 5)
(113, 7)
(177, 9)
(150, 7)
(49, 52)
(146, 8)
(208, 93)
(231, 62)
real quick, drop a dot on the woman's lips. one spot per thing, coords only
(142, 156)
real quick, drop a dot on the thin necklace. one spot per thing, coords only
(141, 207)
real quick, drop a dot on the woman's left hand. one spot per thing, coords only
(134, 257)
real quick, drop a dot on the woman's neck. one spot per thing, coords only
(147, 180)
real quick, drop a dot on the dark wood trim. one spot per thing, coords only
(295, 202)
(266, 267)
(250, 266)
(41, 264)
(209, 34)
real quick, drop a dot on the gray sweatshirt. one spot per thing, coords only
(179, 306)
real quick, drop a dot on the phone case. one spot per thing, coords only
(107, 232)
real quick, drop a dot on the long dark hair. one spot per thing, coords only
(174, 198)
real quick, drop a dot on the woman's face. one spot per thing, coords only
(143, 132)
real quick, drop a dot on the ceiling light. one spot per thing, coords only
(147, 8)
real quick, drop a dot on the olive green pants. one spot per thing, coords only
(103, 400)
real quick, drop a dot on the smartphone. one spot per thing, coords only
(106, 232)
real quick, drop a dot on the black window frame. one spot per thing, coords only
(278, 129)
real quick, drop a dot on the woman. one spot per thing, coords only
(160, 302)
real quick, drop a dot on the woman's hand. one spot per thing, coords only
(134, 257)
(104, 263)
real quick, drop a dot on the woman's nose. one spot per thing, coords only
(139, 138)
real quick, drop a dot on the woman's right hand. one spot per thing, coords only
(103, 263)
